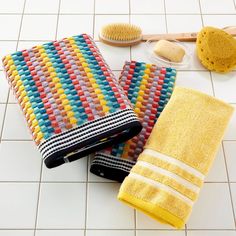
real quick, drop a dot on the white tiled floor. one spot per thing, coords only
(45, 30)
(115, 215)
(62, 206)
(42, 6)
(68, 200)
(213, 210)
(77, 6)
(186, 7)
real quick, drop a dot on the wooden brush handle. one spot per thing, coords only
(183, 37)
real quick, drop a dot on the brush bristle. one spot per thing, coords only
(121, 32)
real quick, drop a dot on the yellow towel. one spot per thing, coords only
(170, 171)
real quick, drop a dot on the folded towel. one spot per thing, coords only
(165, 181)
(72, 102)
(149, 88)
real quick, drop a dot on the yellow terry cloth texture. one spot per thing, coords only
(166, 180)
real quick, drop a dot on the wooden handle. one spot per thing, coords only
(183, 37)
(230, 30)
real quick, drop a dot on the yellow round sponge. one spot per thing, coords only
(216, 49)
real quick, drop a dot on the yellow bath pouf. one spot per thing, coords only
(166, 180)
(216, 49)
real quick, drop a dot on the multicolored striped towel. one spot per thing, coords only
(71, 100)
(149, 88)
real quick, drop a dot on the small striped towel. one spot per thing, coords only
(148, 88)
(166, 180)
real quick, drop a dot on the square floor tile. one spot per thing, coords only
(15, 126)
(230, 156)
(112, 7)
(59, 233)
(159, 232)
(217, 6)
(2, 110)
(77, 6)
(212, 233)
(42, 6)
(114, 56)
(224, 85)
(95, 178)
(110, 232)
(183, 23)
(62, 206)
(146, 22)
(4, 88)
(6, 47)
(72, 172)
(102, 20)
(66, 27)
(45, 30)
(16, 232)
(218, 172)
(233, 192)
(102, 199)
(230, 133)
(150, 7)
(182, 6)
(213, 20)
(198, 80)
(213, 209)
(9, 31)
(20, 161)
(145, 222)
(18, 205)
(28, 44)
(13, 6)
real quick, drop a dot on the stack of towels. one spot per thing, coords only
(158, 139)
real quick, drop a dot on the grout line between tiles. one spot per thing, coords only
(94, 19)
(164, 2)
(38, 199)
(229, 140)
(200, 8)
(230, 192)
(118, 229)
(58, 18)
(8, 94)
(84, 182)
(107, 14)
(212, 84)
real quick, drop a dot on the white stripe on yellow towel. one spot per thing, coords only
(164, 172)
(161, 186)
(174, 162)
